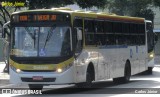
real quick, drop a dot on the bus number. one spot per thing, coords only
(23, 18)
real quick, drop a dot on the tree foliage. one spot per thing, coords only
(120, 7)
(7, 9)
(156, 2)
(39, 4)
(91, 3)
(138, 8)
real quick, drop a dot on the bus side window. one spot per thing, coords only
(89, 32)
(77, 44)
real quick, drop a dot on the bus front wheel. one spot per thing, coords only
(149, 71)
(88, 83)
(127, 75)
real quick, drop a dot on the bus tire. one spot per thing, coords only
(127, 75)
(35, 87)
(149, 71)
(89, 79)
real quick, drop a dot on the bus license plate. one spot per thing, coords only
(37, 77)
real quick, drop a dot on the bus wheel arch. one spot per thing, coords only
(90, 76)
(91, 69)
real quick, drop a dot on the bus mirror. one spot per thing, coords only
(79, 34)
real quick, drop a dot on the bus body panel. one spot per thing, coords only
(117, 58)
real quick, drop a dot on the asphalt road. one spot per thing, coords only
(142, 84)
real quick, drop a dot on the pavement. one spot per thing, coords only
(3, 76)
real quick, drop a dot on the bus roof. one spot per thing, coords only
(89, 14)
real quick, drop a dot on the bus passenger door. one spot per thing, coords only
(79, 54)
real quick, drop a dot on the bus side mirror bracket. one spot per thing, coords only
(4, 30)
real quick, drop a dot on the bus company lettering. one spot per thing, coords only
(40, 67)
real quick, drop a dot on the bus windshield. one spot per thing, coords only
(52, 41)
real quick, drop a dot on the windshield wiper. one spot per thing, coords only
(49, 35)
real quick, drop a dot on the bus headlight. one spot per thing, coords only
(60, 70)
(14, 69)
(151, 55)
(18, 70)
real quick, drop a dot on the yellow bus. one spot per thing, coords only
(63, 46)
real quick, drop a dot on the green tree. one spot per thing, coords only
(39, 4)
(91, 3)
(156, 2)
(119, 7)
(138, 8)
(6, 9)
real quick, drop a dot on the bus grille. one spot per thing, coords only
(38, 70)
(44, 80)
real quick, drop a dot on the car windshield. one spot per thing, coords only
(41, 41)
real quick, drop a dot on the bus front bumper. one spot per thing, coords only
(46, 78)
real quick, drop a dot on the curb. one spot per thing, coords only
(4, 76)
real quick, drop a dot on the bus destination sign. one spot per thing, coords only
(23, 18)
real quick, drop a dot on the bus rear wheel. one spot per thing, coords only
(149, 71)
(35, 87)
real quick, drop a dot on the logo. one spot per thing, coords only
(6, 91)
(20, 91)
(16, 4)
